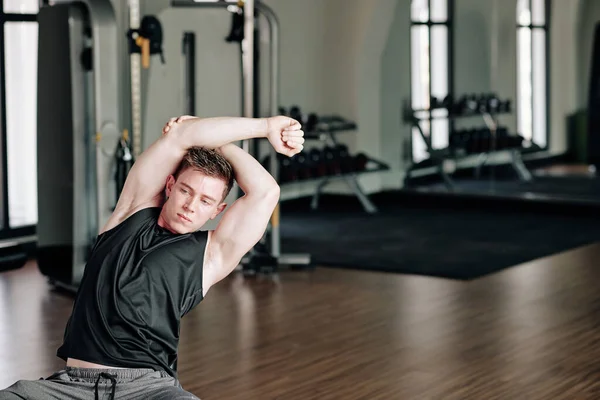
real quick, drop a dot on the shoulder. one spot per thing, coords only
(123, 213)
(133, 219)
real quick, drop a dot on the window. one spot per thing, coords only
(18, 96)
(532, 101)
(430, 73)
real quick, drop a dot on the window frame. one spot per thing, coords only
(6, 231)
(545, 27)
(448, 23)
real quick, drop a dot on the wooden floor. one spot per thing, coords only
(530, 332)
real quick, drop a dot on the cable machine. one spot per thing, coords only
(266, 257)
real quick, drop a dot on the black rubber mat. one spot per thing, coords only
(458, 242)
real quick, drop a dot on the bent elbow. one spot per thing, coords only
(272, 193)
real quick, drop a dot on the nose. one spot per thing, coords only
(189, 206)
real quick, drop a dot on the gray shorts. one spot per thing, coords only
(99, 384)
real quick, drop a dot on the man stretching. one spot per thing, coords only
(151, 263)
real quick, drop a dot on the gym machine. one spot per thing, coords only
(266, 257)
(78, 119)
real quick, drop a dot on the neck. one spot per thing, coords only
(162, 222)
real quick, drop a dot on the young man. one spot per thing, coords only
(152, 263)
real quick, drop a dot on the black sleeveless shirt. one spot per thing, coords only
(138, 283)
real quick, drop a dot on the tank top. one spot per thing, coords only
(139, 281)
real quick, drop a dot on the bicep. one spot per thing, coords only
(148, 175)
(146, 180)
(239, 230)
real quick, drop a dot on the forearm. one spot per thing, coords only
(213, 133)
(250, 175)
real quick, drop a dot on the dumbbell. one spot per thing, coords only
(345, 160)
(317, 163)
(457, 140)
(501, 138)
(474, 141)
(295, 113)
(447, 102)
(434, 102)
(288, 168)
(310, 125)
(460, 106)
(471, 104)
(504, 106)
(360, 162)
(493, 103)
(303, 167)
(482, 103)
(485, 141)
(331, 161)
(471, 140)
(515, 141)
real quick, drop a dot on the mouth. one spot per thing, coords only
(184, 218)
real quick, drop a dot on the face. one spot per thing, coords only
(192, 199)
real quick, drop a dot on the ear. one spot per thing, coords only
(169, 185)
(219, 210)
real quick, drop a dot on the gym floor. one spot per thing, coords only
(527, 332)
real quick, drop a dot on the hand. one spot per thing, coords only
(175, 120)
(286, 135)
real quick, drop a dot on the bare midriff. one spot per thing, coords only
(75, 363)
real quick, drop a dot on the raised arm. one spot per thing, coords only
(244, 223)
(146, 180)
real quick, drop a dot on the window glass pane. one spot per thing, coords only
(524, 83)
(440, 130)
(419, 10)
(523, 12)
(539, 87)
(439, 61)
(419, 67)
(439, 10)
(538, 10)
(21, 6)
(21, 98)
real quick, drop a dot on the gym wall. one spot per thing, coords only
(474, 38)
(395, 89)
(563, 69)
(590, 16)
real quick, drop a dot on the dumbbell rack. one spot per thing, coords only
(325, 130)
(441, 156)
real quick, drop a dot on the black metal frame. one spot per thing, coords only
(6, 232)
(545, 27)
(189, 54)
(448, 23)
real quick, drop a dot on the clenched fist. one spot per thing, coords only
(286, 135)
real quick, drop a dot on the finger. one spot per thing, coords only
(294, 139)
(292, 133)
(294, 125)
(184, 117)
